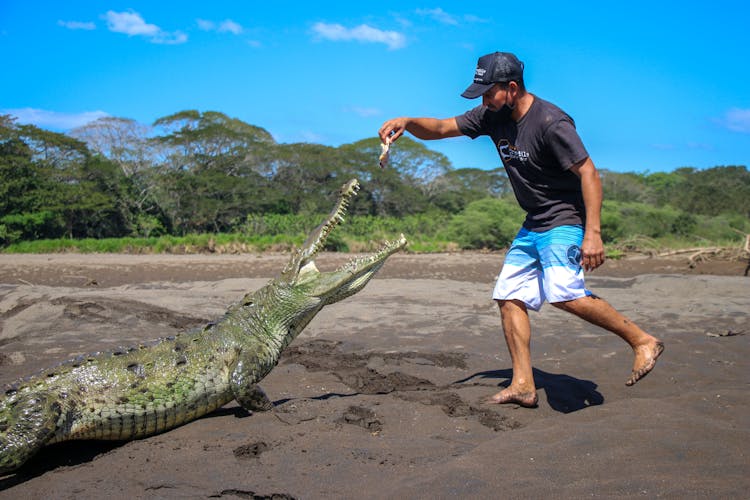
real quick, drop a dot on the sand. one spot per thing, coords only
(382, 395)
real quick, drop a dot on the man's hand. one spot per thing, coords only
(592, 251)
(421, 128)
(592, 248)
(392, 129)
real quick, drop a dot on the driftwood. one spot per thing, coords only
(697, 254)
(696, 250)
(701, 254)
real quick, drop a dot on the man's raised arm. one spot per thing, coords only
(421, 128)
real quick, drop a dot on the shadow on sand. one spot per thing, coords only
(74, 453)
(564, 393)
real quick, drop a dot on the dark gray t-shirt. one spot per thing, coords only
(537, 153)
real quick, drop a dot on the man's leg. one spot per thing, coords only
(517, 329)
(599, 312)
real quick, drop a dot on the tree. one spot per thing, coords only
(404, 186)
(306, 175)
(713, 191)
(192, 140)
(417, 165)
(127, 143)
(56, 187)
(17, 174)
(457, 188)
(626, 187)
(212, 170)
(211, 201)
(487, 223)
(122, 140)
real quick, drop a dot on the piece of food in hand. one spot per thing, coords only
(385, 152)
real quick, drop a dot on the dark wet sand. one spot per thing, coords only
(382, 395)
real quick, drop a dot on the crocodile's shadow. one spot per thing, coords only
(75, 453)
(68, 454)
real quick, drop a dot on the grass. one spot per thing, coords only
(242, 243)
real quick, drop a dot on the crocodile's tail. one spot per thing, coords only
(27, 422)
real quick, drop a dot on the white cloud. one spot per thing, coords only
(471, 18)
(737, 120)
(226, 26)
(206, 25)
(132, 24)
(362, 33)
(230, 26)
(77, 25)
(174, 38)
(438, 15)
(363, 112)
(444, 17)
(52, 119)
(703, 146)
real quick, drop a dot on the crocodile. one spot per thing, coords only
(154, 387)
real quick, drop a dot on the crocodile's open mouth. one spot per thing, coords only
(353, 275)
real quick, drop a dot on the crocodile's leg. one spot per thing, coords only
(250, 396)
(254, 399)
(26, 425)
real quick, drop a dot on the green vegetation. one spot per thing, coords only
(195, 182)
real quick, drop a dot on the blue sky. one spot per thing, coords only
(653, 86)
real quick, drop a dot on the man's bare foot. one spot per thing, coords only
(525, 399)
(645, 360)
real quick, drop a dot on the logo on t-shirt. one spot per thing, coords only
(509, 152)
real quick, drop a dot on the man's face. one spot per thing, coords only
(495, 98)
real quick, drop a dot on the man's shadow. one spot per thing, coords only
(565, 394)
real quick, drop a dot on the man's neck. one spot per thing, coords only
(522, 106)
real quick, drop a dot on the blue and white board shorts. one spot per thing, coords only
(543, 266)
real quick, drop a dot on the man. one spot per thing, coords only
(556, 183)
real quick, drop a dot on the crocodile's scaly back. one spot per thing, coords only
(148, 389)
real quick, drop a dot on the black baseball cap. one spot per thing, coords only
(491, 69)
